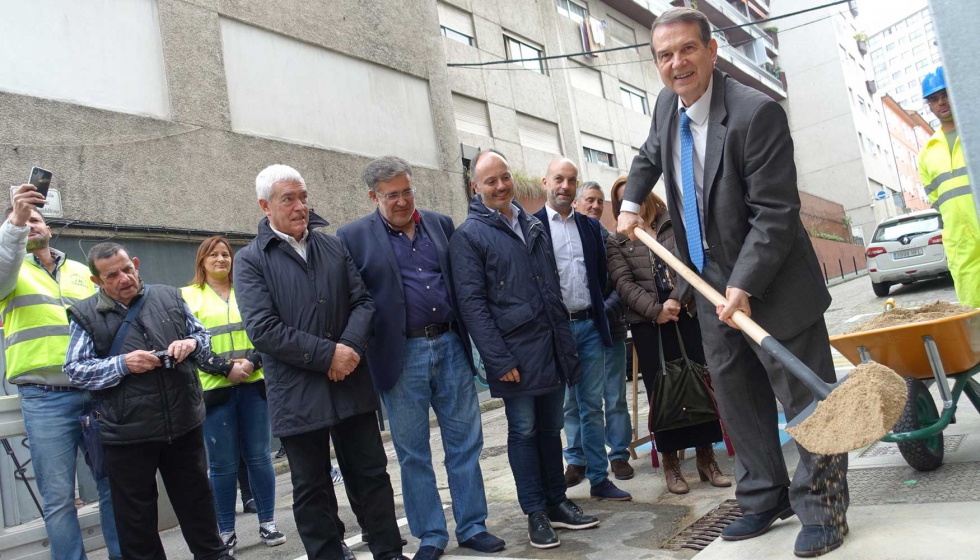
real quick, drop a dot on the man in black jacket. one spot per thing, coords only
(508, 296)
(308, 312)
(150, 410)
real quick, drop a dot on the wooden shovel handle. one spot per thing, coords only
(743, 321)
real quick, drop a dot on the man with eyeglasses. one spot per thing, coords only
(942, 167)
(419, 356)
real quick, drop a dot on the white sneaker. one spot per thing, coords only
(231, 541)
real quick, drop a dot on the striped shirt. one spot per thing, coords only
(86, 370)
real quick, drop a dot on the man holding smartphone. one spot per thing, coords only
(37, 284)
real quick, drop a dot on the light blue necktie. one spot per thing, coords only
(692, 220)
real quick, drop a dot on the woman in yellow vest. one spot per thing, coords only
(237, 423)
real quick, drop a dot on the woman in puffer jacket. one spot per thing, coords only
(650, 289)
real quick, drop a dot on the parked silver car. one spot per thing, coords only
(906, 249)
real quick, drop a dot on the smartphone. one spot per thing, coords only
(41, 179)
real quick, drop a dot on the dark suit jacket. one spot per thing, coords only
(368, 244)
(751, 203)
(594, 247)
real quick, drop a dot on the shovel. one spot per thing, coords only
(867, 422)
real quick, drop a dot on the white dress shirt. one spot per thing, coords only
(298, 246)
(570, 258)
(513, 221)
(698, 112)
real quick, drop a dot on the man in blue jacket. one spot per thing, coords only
(508, 296)
(306, 309)
(420, 356)
(580, 257)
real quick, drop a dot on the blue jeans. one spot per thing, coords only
(55, 434)
(619, 431)
(240, 428)
(436, 372)
(583, 404)
(534, 449)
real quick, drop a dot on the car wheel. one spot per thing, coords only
(881, 290)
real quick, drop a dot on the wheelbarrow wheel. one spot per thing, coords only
(920, 412)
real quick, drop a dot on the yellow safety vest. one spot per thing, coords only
(224, 322)
(948, 188)
(35, 322)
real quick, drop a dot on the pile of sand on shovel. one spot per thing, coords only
(859, 412)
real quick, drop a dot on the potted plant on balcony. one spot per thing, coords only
(772, 31)
(862, 42)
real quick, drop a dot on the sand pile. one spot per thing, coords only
(861, 411)
(903, 316)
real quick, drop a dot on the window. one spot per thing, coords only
(572, 10)
(455, 24)
(900, 89)
(893, 61)
(851, 92)
(921, 49)
(585, 79)
(935, 57)
(890, 47)
(921, 64)
(907, 56)
(908, 70)
(886, 32)
(471, 115)
(621, 33)
(881, 68)
(861, 140)
(538, 134)
(864, 108)
(897, 75)
(875, 40)
(517, 49)
(877, 55)
(929, 26)
(912, 85)
(598, 150)
(915, 35)
(633, 99)
(883, 83)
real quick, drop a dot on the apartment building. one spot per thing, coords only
(908, 133)
(901, 56)
(842, 146)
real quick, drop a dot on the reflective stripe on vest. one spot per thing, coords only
(224, 322)
(36, 324)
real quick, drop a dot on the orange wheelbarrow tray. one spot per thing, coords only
(923, 351)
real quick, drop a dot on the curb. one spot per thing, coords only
(281, 466)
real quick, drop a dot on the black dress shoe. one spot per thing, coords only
(816, 540)
(484, 542)
(348, 553)
(540, 532)
(755, 524)
(567, 515)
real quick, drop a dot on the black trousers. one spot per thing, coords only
(243, 483)
(183, 464)
(362, 459)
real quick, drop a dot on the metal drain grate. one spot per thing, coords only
(885, 449)
(705, 530)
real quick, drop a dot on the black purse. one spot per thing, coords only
(682, 393)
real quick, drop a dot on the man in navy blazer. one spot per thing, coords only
(580, 258)
(420, 355)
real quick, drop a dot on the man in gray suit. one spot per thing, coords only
(726, 155)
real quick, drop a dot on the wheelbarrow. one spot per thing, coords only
(923, 353)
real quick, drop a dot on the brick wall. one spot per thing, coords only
(820, 215)
(834, 255)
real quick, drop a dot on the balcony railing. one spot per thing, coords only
(741, 19)
(751, 68)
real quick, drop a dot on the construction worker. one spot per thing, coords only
(942, 167)
(37, 284)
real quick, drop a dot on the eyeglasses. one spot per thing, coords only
(393, 197)
(937, 97)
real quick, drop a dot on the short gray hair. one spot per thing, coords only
(268, 177)
(384, 169)
(682, 15)
(588, 186)
(101, 251)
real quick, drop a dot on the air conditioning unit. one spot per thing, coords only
(872, 86)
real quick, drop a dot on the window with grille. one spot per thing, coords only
(598, 150)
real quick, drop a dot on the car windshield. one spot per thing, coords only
(912, 227)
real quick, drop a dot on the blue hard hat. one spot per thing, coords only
(933, 82)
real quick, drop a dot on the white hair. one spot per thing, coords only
(271, 175)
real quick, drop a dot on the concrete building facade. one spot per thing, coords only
(908, 133)
(841, 143)
(901, 56)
